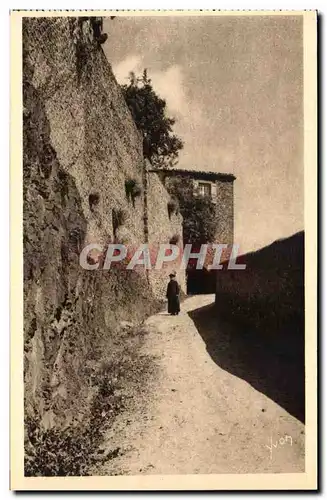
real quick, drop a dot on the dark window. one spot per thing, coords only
(205, 189)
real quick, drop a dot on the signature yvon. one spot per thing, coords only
(278, 443)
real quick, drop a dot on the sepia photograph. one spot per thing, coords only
(164, 264)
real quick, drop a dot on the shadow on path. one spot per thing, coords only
(272, 363)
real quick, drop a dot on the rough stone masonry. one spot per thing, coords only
(81, 147)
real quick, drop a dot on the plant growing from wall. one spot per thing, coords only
(94, 199)
(97, 26)
(173, 206)
(81, 53)
(160, 145)
(119, 217)
(75, 239)
(133, 189)
(174, 240)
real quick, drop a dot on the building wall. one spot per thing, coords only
(222, 193)
(269, 289)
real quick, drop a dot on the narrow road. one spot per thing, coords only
(199, 416)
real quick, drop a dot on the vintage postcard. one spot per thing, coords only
(164, 250)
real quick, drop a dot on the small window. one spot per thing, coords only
(205, 189)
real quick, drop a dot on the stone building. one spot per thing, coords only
(219, 187)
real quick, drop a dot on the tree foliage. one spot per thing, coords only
(199, 212)
(160, 145)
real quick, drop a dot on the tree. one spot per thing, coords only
(160, 145)
(199, 212)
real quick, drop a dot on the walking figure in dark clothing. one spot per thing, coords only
(173, 291)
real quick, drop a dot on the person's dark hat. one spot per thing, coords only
(172, 274)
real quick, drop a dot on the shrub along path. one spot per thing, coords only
(196, 415)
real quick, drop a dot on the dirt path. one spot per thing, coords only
(199, 417)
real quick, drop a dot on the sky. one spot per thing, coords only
(235, 86)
